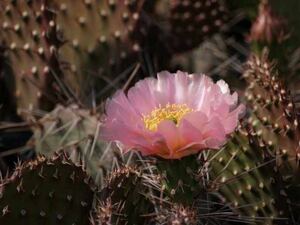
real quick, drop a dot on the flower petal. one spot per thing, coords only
(170, 132)
(231, 121)
(211, 116)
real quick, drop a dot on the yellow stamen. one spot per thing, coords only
(173, 112)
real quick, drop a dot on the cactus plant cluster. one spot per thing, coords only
(275, 121)
(62, 61)
(40, 37)
(58, 62)
(267, 148)
(33, 183)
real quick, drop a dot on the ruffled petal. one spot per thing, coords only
(120, 108)
(214, 115)
(171, 135)
(142, 96)
(231, 121)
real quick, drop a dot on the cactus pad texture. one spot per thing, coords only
(127, 198)
(275, 119)
(239, 172)
(52, 58)
(58, 62)
(46, 191)
(192, 21)
(26, 27)
(177, 214)
(76, 131)
(276, 123)
(178, 177)
(93, 61)
(257, 171)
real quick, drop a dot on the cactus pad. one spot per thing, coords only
(43, 191)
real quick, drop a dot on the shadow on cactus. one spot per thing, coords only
(47, 191)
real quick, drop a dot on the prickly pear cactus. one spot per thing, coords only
(193, 21)
(26, 29)
(275, 115)
(186, 24)
(7, 99)
(258, 167)
(276, 122)
(178, 177)
(243, 177)
(128, 197)
(58, 62)
(76, 131)
(46, 191)
(177, 214)
(67, 56)
(98, 41)
(51, 55)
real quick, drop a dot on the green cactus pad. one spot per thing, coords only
(76, 131)
(98, 41)
(25, 29)
(179, 178)
(46, 191)
(193, 21)
(242, 176)
(274, 116)
(128, 197)
(59, 50)
(276, 124)
(257, 171)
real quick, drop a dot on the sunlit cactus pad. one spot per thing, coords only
(76, 131)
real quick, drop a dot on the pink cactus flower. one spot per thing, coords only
(172, 116)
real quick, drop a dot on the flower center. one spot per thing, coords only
(173, 112)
